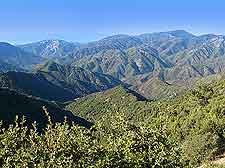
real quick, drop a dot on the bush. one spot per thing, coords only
(121, 145)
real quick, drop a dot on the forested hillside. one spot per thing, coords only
(195, 121)
(185, 132)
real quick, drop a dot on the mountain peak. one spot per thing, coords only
(118, 36)
(181, 34)
(6, 45)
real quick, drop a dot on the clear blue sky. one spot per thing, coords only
(87, 20)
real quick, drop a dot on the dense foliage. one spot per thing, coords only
(194, 121)
(123, 144)
(128, 132)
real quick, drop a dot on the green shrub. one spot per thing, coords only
(121, 145)
(194, 121)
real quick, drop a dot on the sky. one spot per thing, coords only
(23, 21)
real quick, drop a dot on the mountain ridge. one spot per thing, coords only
(170, 56)
(16, 104)
(56, 82)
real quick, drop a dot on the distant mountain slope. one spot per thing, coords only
(125, 63)
(155, 88)
(50, 48)
(124, 56)
(213, 48)
(169, 43)
(169, 56)
(204, 60)
(80, 80)
(4, 67)
(175, 55)
(36, 85)
(13, 103)
(14, 58)
(56, 82)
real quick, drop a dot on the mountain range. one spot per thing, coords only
(163, 60)
(14, 58)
